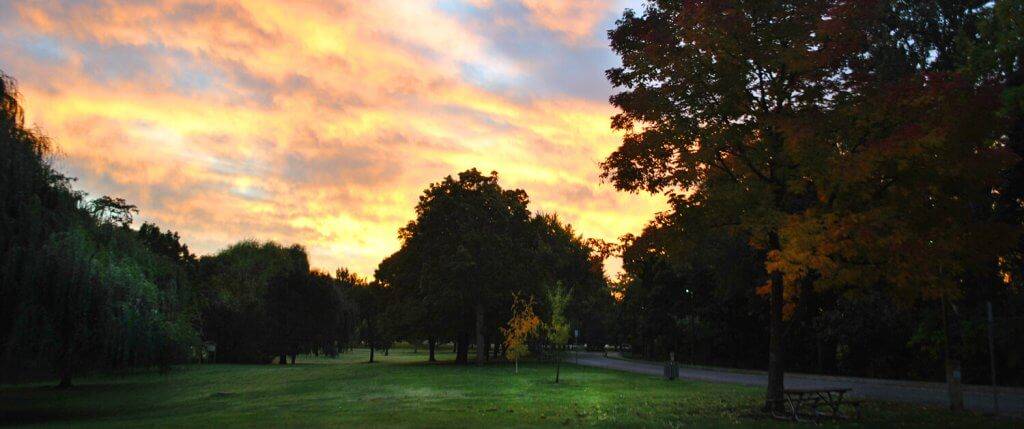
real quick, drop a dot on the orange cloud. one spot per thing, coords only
(575, 20)
(303, 122)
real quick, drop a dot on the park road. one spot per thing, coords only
(976, 398)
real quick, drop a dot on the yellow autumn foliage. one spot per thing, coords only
(522, 324)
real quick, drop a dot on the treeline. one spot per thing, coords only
(80, 290)
(694, 295)
(845, 182)
(261, 301)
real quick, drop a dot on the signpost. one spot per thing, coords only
(576, 346)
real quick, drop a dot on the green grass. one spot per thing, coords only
(402, 390)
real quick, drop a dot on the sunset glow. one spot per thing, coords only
(321, 123)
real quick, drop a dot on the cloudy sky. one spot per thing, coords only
(321, 123)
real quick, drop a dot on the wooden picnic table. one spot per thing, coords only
(799, 404)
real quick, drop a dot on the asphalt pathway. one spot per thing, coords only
(976, 398)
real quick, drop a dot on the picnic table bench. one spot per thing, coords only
(815, 404)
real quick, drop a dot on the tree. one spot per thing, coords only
(420, 307)
(706, 83)
(165, 243)
(78, 290)
(769, 115)
(260, 299)
(372, 300)
(522, 324)
(686, 288)
(331, 314)
(468, 246)
(36, 202)
(557, 327)
(74, 306)
(116, 211)
(562, 255)
(471, 249)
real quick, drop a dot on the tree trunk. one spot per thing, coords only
(558, 365)
(462, 348)
(776, 351)
(65, 381)
(282, 359)
(65, 376)
(956, 394)
(293, 359)
(431, 344)
(371, 352)
(481, 345)
(830, 357)
(67, 352)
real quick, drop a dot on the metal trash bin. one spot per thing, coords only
(671, 371)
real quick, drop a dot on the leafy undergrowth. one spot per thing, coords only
(404, 391)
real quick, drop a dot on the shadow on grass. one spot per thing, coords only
(21, 416)
(19, 391)
(35, 404)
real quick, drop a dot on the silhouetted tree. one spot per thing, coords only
(78, 290)
(259, 299)
(116, 211)
(472, 247)
(372, 300)
(471, 239)
(833, 134)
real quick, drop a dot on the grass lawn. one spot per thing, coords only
(403, 390)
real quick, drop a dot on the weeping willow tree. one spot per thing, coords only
(78, 290)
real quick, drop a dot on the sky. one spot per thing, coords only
(321, 123)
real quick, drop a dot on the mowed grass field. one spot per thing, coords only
(402, 390)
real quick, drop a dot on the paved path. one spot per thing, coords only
(976, 398)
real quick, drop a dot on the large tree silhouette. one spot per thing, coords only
(472, 239)
(832, 134)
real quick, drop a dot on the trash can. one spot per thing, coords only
(671, 371)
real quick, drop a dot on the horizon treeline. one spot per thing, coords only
(81, 290)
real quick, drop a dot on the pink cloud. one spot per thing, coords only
(575, 20)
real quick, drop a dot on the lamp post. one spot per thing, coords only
(992, 357)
